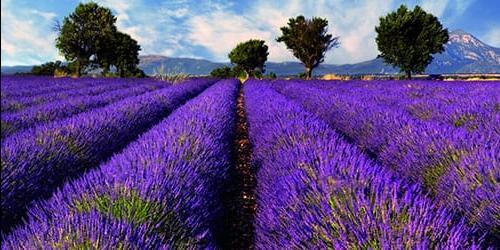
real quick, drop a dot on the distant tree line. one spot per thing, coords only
(49, 68)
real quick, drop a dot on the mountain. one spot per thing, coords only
(463, 53)
(10, 70)
(152, 63)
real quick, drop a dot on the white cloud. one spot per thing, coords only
(177, 13)
(26, 36)
(435, 7)
(448, 10)
(8, 47)
(461, 6)
(150, 24)
(48, 16)
(120, 7)
(492, 37)
(220, 31)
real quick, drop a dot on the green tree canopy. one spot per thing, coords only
(308, 40)
(222, 72)
(408, 38)
(88, 37)
(84, 32)
(228, 72)
(126, 58)
(250, 56)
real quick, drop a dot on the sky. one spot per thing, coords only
(210, 29)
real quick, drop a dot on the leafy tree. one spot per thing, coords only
(407, 39)
(126, 56)
(106, 55)
(85, 32)
(308, 40)
(250, 56)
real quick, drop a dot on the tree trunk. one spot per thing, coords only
(78, 68)
(308, 72)
(408, 74)
(105, 69)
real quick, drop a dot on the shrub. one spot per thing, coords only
(48, 68)
(173, 76)
(222, 72)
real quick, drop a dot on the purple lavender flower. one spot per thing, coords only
(23, 86)
(315, 190)
(37, 115)
(37, 161)
(15, 104)
(169, 183)
(448, 161)
(82, 231)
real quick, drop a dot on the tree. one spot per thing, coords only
(228, 72)
(250, 56)
(47, 69)
(89, 29)
(126, 57)
(308, 40)
(270, 75)
(407, 39)
(222, 72)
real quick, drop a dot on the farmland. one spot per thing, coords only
(207, 163)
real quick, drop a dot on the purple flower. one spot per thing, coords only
(168, 183)
(315, 190)
(37, 161)
(444, 137)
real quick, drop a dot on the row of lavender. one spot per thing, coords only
(470, 105)
(315, 190)
(36, 161)
(13, 122)
(458, 167)
(23, 86)
(163, 191)
(53, 111)
(15, 104)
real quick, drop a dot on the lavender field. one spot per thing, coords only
(105, 163)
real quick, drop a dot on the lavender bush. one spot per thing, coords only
(38, 160)
(100, 163)
(34, 116)
(168, 183)
(457, 166)
(315, 190)
(24, 86)
(19, 103)
(82, 231)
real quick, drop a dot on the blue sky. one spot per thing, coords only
(210, 29)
